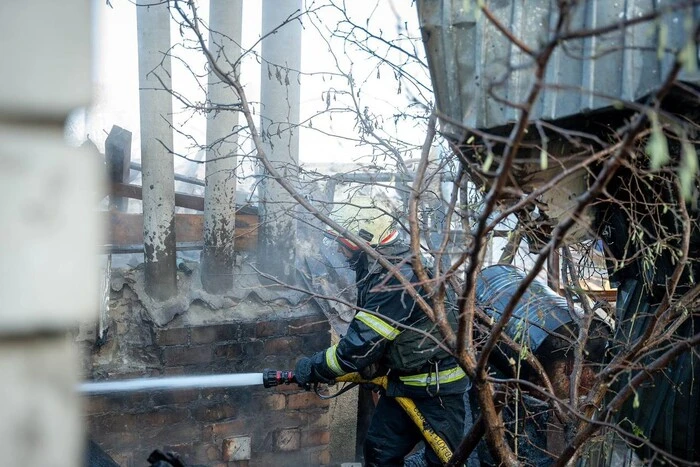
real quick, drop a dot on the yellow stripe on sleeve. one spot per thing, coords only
(332, 361)
(379, 326)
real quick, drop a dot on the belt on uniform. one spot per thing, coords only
(433, 378)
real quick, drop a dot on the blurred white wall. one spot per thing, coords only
(50, 232)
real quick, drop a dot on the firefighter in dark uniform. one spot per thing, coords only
(374, 344)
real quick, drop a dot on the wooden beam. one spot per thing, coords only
(609, 295)
(126, 230)
(554, 270)
(136, 192)
(182, 200)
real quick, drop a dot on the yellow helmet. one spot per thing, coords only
(368, 213)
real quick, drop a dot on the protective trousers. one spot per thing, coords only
(392, 434)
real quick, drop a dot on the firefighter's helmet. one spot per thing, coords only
(371, 216)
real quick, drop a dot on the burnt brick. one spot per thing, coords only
(101, 404)
(204, 335)
(268, 400)
(255, 365)
(104, 426)
(310, 318)
(289, 388)
(230, 429)
(133, 422)
(213, 395)
(282, 345)
(201, 369)
(314, 420)
(252, 348)
(315, 342)
(240, 397)
(174, 371)
(96, 405)
(306, 400)
(214, 333)
(311, 324)
(315, 438)
(207, 452)
(324, 457)
(166, 434)
(247, 330)
(288, 439)
(233, 354)
(228, 351)
(283, 418)
(164, 417)
(177, 356)
(142, 373)
(179, 397)
(275, 402)
(222, 365)
(214, 413)
(275, 328)
(174, 336)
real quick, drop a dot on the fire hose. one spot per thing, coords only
(268, 378)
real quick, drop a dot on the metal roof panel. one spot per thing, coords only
(480, 76)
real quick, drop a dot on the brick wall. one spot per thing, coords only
(249, 426)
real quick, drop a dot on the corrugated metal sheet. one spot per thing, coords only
(479, 75)
(538, 314)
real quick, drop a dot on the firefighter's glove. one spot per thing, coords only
(305, 375)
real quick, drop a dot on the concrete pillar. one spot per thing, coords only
(50, 231)
(218, 256)
(279, 115)
(153, 24)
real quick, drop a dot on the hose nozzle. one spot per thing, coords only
(276, 377)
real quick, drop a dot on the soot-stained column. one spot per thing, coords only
(279, 117)
(153, 24)
(220, 193)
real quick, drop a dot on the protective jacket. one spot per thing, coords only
(390, 336)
